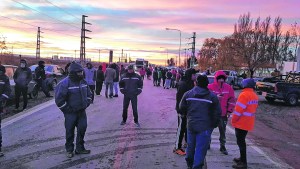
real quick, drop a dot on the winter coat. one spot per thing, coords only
(155, 74)
(245, 110)
(169, 75)
(90, 76)
(99, 76)
(202, 109)
(142, 72)
(225, 94)
(110, 75)
(131, 84)
(117, 78)
(5, 90)
(184, 85)
(72, 96)
(40, 73)
(22, 77)
(123, 70)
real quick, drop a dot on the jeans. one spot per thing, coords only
(126, 102)
(18, 92)
(168, 83)
(241, 142)
(197, 148)
(72, 120)
(110, 85)
(116, 84)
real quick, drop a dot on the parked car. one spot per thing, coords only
(53, 74)
(287, 90)
(32, 89)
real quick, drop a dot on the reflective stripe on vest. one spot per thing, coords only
(201, 100)
(253, 102)
(241, 105)
(244, 114)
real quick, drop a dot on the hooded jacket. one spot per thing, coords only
(22, 76)
(185, 84)
(131, 84)
(224, 93)
(72, 96)
(201, 108)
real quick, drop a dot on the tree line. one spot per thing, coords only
(254, 44)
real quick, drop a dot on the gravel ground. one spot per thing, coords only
(10, 109)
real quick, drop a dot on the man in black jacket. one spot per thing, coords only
(40, 77)
(99, 80)
(4, 95)
(203, 112)
(185, 84)
(131, 86)
(22, 78)
(72, 97)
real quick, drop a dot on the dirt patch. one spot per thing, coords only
(9, 110)
(277, 128)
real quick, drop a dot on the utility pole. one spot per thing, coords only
(38, 44)
(83, 37)
(193, 50)
(192, 60)
(99, 55)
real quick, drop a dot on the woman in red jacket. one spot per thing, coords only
(226, 97)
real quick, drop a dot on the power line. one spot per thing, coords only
(62, 9)
(51, 30)
(46, 14)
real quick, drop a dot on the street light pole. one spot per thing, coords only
(179, 43)
(167, 54)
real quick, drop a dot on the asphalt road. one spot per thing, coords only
(35, 138)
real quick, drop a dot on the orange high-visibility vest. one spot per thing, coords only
(245, 109)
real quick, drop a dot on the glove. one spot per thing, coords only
(122, 91)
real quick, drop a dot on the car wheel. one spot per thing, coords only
(35, 92)
(292, 99)
(270, 99)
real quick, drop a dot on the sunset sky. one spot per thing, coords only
(137, 26)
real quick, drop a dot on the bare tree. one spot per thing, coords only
(295, 36)
(2, 44)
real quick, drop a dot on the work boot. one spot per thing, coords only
(116, 95)
(223, 150)
(237, 160)
(84, 151)
(123, 123)
(70, 154)
(137, 124)
(179, 151)
(240, 165)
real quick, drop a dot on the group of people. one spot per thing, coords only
(169, 78)
(201, 107)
